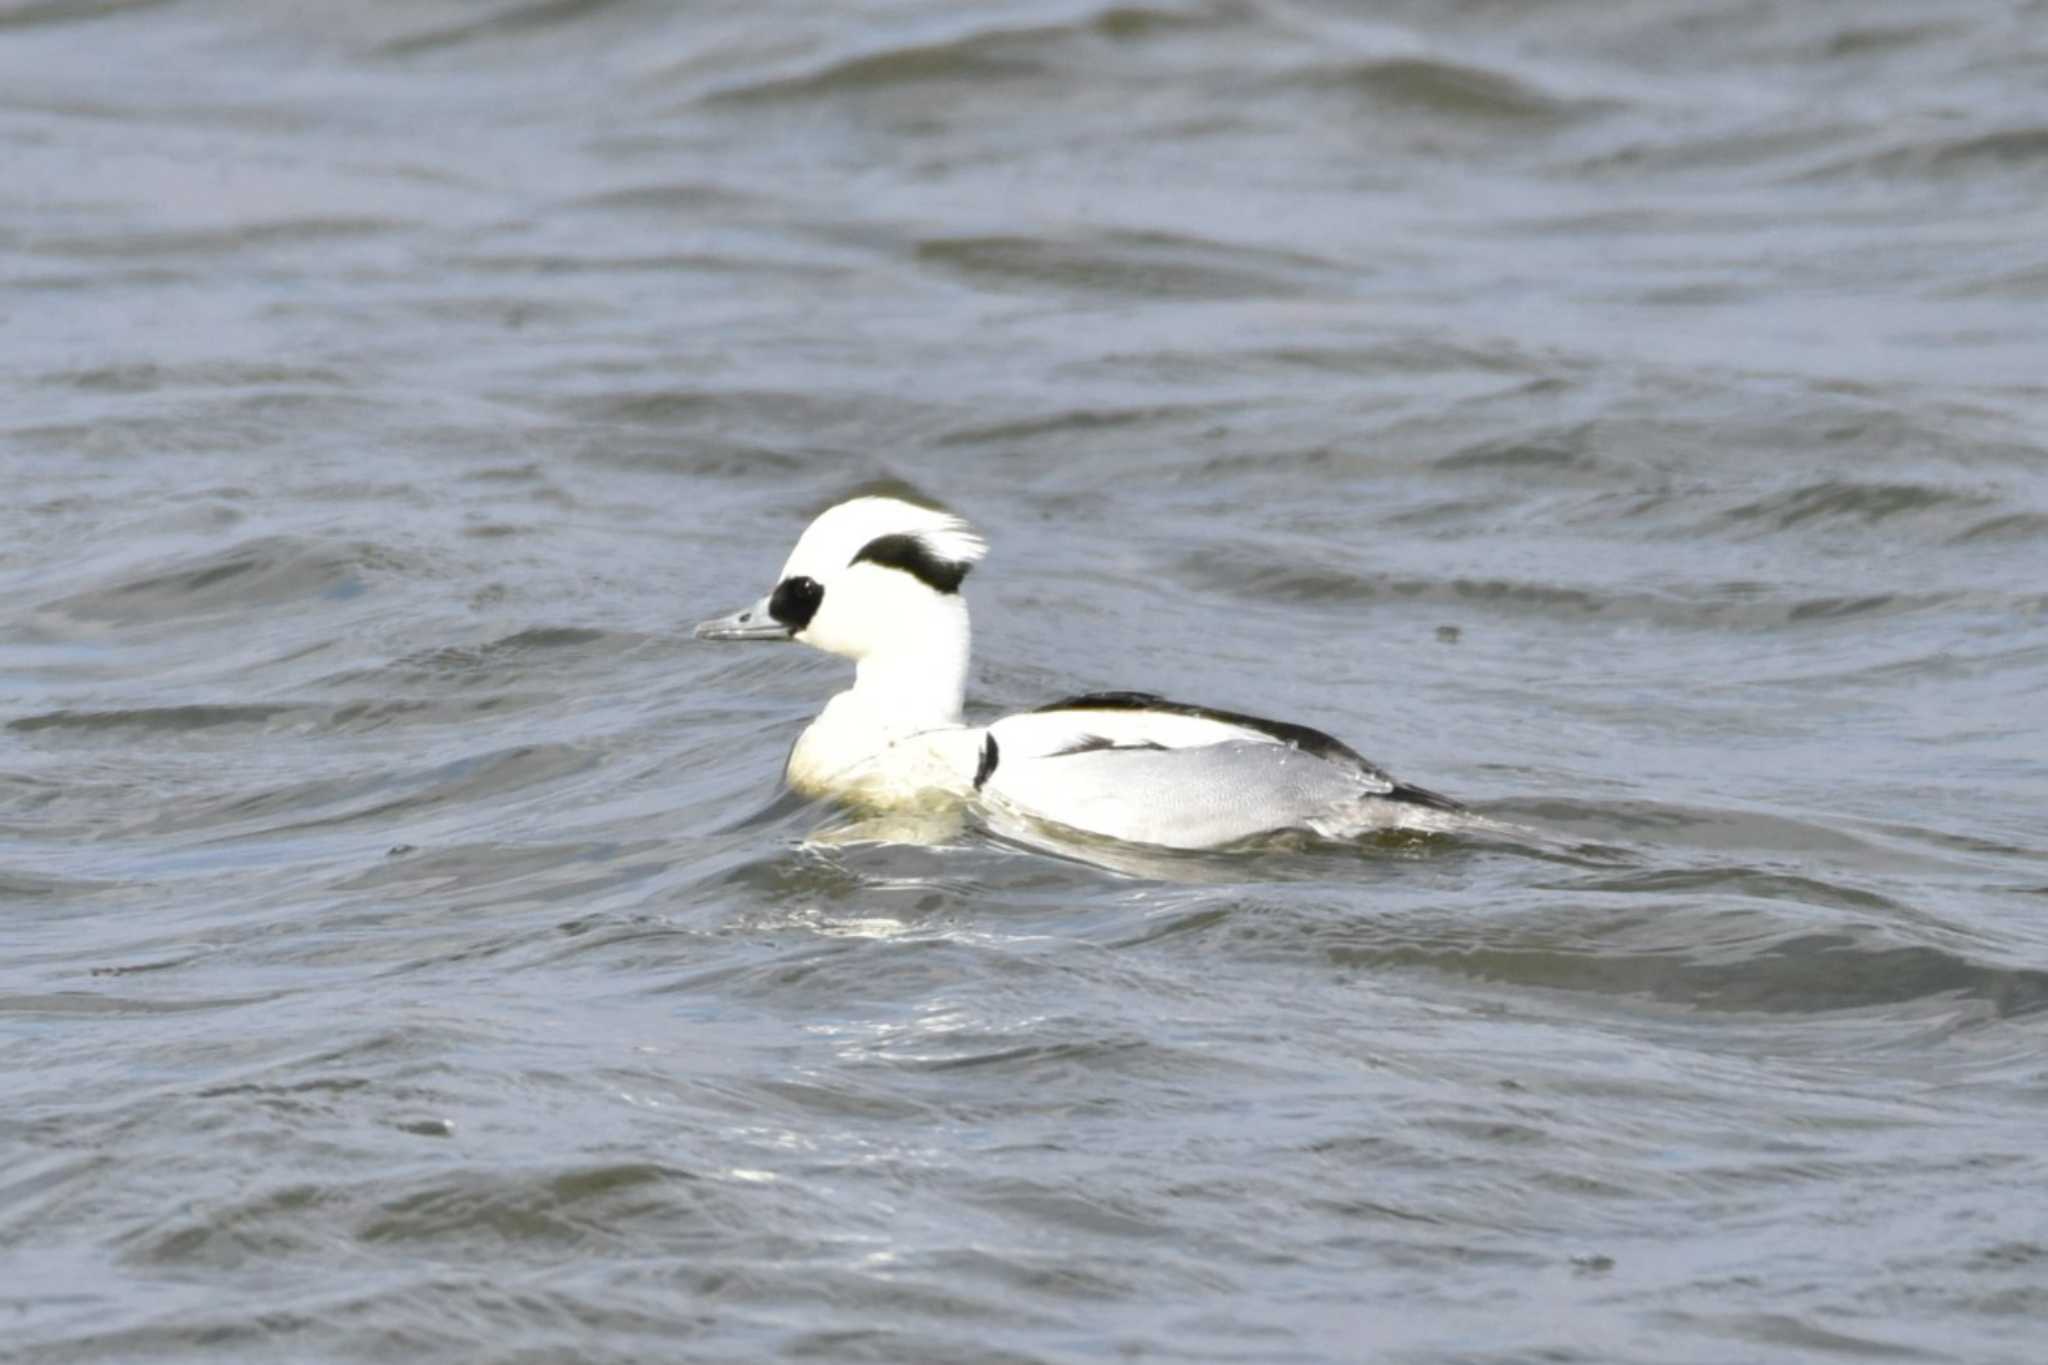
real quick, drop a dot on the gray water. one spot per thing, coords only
(1625, 416)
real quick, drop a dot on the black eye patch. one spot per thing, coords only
(914, 557)
(795, 601)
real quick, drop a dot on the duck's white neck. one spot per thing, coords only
(917, 688)
(912, 682)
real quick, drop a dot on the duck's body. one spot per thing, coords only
(877, 580)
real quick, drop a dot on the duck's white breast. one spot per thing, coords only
(855, 763)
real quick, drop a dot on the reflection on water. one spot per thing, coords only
(1626, 417)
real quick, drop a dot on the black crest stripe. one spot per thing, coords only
(914, 556)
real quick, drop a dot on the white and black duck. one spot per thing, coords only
(877, 580)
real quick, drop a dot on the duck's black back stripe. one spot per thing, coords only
(1300, 736)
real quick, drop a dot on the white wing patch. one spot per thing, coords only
(1044, 734)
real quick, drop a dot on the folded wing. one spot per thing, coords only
(1137, 767)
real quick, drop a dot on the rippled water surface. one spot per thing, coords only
(1627, 417)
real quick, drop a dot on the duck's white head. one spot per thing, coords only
(871, 579)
